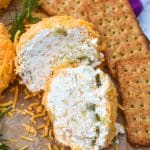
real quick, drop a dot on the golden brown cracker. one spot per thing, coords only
(134, 82)
(75, 8)
(117, 23)
(113, 19)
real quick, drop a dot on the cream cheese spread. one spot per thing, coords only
(52, 47)
(77, 98)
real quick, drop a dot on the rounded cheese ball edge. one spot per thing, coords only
(7, 54)
(111, 97)
(42, 28)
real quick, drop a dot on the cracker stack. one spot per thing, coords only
(134, 81)
(113, 19)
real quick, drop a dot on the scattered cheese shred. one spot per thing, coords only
(15, 97)
(33, 121)
(121, 107)
(12, 140)
(30, 113)
(7, 103)
(50, 134)
(10, 114)
(41, 127)
(21, 111)
(16, 38)
(46, 131)
(56, 147)
(39, 109)
(34, 105)
(12, 89)
(48, 123)
(26, 138)
(40, 115)
(30, 129)
(49, 146)
(24, 147)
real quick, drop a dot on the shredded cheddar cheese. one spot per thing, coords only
(41, 127)
(56, 147)
(40, 115)
(21, 111)
(12, 140)
(49, 146)
(7, 54)
(10, 114)
(46, 129)
(34, 104)
(30, 129)
(4, 3)
(121, 107)
(25, 147)
(7, 103)
(39, 109)
(30, 113)
(26, 138)
(16, 96)
(33, 121)
(16, 39)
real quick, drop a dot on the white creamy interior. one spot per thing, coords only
(51, 47)
(77, 102)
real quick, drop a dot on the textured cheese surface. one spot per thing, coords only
(7, 54)
(52, 47)
(4, 3)
(79, 107)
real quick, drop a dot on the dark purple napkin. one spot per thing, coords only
(137, 6)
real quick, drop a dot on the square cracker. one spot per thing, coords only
(134, 83)
(118, 27)
(76, 8)
(113, 19)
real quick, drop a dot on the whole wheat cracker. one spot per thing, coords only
(113, 19)
(134, 83)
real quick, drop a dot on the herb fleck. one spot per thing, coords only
(98, 81)
(25, 15)
(60, 31)
(91, 106)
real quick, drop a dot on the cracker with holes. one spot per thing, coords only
(134, 82)
(113, 19)
(75, 8)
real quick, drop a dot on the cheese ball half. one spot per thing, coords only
(52, 42)
(4, 3)
(7, 54)
(82, 104)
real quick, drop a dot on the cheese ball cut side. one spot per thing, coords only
(82, 103)
(7, 55)
(52, 42)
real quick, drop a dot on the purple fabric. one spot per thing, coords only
(137, 6)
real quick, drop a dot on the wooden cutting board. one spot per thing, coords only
(12, 126)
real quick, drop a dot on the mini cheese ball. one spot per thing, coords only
(4, 4)
(82, 105)
(52, 42)
(7, 54)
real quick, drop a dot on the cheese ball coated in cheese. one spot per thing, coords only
(7, 54)
(82, 104)
(4, 3)
(52, 42)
